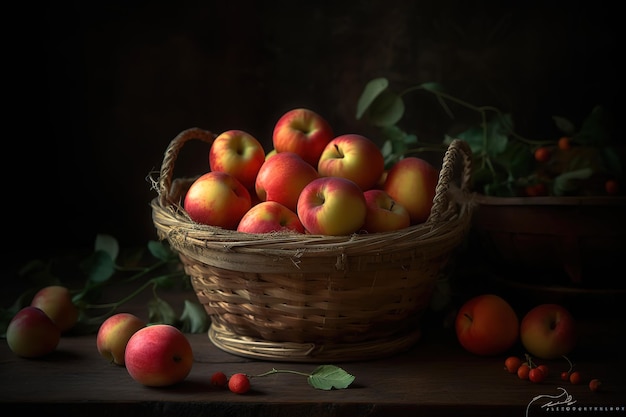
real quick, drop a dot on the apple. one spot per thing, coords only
(282, 177)
(332, 206)
(159, 355)
(217, 199)
(411, 182)
(487, 325)
(383, 213)
(270, 216)
(239, 154)
(354, 157)
(114, 333)
(304, 132)
(56, 302)
(548, 331)
(32, 334)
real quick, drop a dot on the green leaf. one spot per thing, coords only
(98, 267)
(596, 129)
(327, 377)
(370, 93)
(160, 311)
(194, 318)
(564, 125)
(108, 244)
(565, 183)
(160, 250)
(386, 110)
(612, 162)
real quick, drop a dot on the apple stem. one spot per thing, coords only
(468, 316)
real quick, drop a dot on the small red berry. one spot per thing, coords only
(575, 378)
(565, 143)
(565, 376)
(512, 363)
(523, 371)
(611, 187)
(239, 383)
(594, 384)
(542, 154)
(219, 379)
(544, 369)
(536, 375)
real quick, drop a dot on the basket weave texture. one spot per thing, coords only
(298, 298)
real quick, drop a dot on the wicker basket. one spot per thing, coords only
(313, 298)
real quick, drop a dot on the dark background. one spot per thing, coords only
(102, 87)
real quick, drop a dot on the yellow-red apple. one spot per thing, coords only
(114, 333)
(159, 355)
(487, 325)
(412, 182)
(354, 157)
(239, 154)
(282, 177)
(56, 302)
(217, 199)
(332, 206)
(270, 216)
(548, 331)
(304, 132)
(32, 334)
(383, 213)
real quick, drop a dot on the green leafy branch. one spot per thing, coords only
(103, 269)
(324, 377)
(504, 160)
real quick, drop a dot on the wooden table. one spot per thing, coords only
(435, 377)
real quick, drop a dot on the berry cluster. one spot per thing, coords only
(528, 369)
(238, 383)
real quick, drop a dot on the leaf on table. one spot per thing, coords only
(327, 377)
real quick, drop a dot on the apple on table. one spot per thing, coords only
(354, 157)
(303, 132)
(282, 177)
(270, 216)
(217, 199)
(159, 355)
(332, 206)
(384, 214)
(32, 334)
(56, 302)
(548, 331)
(239, 154)
(487, 325)
(412, 182)
(114, 334)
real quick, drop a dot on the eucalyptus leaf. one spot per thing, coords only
(327, 377)
(386, 110)
(98, 267)
(108, 244)
(194, 318)
(370, 93)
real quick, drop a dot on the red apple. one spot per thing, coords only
(332, 206)
(487, 325)
(548, 331)
(411, 182)
(32, 334)
(217, 199)
(270, 216)
(114, 334)
(239, 154)
(282, 177)
(159, 355)
(56, 302)
(383, 213)
(354, 157)
(304, 132)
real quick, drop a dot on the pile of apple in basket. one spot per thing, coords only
(310, 182)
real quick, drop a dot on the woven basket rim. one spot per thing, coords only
(452, 205)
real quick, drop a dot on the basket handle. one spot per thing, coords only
(458, 152)
(171, 153)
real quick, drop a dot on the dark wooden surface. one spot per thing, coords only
(435, 377)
